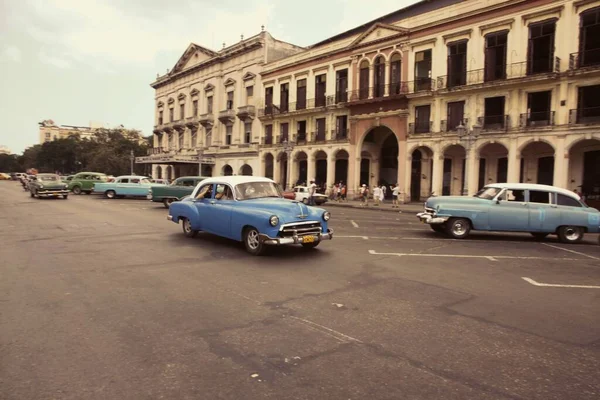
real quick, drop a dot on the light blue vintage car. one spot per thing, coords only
(513, 207)
(126, 185)
(251, 210)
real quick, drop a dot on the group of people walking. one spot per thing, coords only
(379, 195)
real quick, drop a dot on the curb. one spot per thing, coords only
(372, 208)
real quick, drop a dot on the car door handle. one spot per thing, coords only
(212, 202)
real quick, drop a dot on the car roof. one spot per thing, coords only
(192, 177)
(131, 177)
(47, 174)
(90, 173)
(534, 186)
(236, 179)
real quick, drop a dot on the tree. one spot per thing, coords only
(9, 163)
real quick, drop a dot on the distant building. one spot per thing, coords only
(50, 131)
(5, 150)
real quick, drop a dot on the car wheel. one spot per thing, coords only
(65, 196)
(309, 246)
(110, 194)
(458, 228)
(76, 190)
(167, 202)
(439, 228)
(570, 234)
(305, 200)
(252, 242)
(88, 192)
(31, 194)
(186, 226)
(539, 235)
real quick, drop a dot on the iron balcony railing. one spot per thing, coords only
(391, 90)
(585, 59)
(340, 134)
(157, 150)
(267, 140)
(585, 115)
(246, 111)
(543, 65)
(420, 127)
(446, 126)
(494, 122)
(319, 136)
(274, 109)
(536, 119)
(301, 137)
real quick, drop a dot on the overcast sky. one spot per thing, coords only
(76, 61)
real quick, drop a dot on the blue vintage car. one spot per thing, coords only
(513, 207)
(251, 210)
(126, 185)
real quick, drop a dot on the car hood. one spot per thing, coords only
(433, 202)
(53, 185)
(285, 209)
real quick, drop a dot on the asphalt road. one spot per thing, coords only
(107, 299)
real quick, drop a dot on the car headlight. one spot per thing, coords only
(41, 186)
(326, 216)
(274, 220)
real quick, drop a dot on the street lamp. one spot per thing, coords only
(131, 159)
(468, 137)
(288, 147)
(200, 152)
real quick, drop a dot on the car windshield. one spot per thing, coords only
(48, 178)
(488, 193)
(145, 180)
(256, 190)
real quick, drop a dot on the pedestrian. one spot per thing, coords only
(343, 192)
(338, 192)
(364, 195)
(376, 195)
(395, 191)
(382, 194)
(312, 190)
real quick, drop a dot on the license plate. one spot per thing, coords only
(308, 239)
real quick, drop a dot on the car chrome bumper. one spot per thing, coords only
(169, 217)
(428, 218)
(49, 193)
(295, 239)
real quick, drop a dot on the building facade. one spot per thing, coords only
(50, 131)
(206, 108)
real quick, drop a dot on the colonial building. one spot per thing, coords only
(206, 108)
(49, 131)
(443, 96)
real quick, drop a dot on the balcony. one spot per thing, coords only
(227, 117)
(301, 137)
(585, 60)
(418, 127)
(246, 113)
(267, 141)
(192, 122)
(494, 122)
(157, 150)
(206, 120)
(444, 127)
(320, 137)
(536, 119)
(340, 135)
(296, 107)
(392, 90)
(587, 116)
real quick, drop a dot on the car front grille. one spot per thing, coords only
(300, 229)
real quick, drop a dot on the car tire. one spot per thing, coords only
(458, 228)
(310, 246)
(167, 202)
(31, 194)
(65, 196)
(88, 192)
(110, 194)
(305, 200)
(252, 242)
(570, 234)
(186, 226)
(76, 190)
(539, 235)
(438, 228)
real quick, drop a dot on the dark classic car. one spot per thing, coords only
(48, 185)
(180, 188)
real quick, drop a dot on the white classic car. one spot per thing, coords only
(301, 193)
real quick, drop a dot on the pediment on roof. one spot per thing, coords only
(229, 82)
(248, 76)
(193, 55)
(208, 87)
(194, 92)
(379, 32)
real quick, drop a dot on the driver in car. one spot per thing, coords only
(205, 193)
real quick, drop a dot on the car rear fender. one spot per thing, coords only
(185, 209)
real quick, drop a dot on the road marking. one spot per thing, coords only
(354, 224)
(571, 251)
(353, 237)
(492, 258)
(328, 331)
(534, 283)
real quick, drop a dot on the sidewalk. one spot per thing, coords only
(385, 206)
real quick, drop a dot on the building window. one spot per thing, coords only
(284, 97)
(268, 134)
(194, 139)
(320, 84)
(173, 140)
(540, 57)
(181, 140)
(494, 113)
(422, 119)
(588, 105)
(195, 107)
(171, 115)
(363, 80)
(395, 74)
(47, 135)
(208, 135)
(379, 77)
(301, 94)
(495, 56)
(160, 117)
(456, 113)
(182, 111)
(321, 136)
(589, 38)
(457, 64)
(341, 127)
(341, 86)
(209, 104)
(269, 100)
(229, 100)
(538, 108)
(249, 92)
(228, 134)
(283, 136)
(301, 131)
(423, 70)
(248, 132)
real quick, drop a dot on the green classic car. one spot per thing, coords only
(83, 182)
(181, 187)
(48, 185)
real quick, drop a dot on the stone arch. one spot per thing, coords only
(575, 142)
(382, 143)
(245, 170)
(537, 162)
(421, 171)
(341, 158)
(493, 163)
(321, 159)
(453, 178)
(484, 143)
(226, 170)
(301, 159)
(583, 172)
(533, 140)
(395, 55)
(364, 62)
(269, 161)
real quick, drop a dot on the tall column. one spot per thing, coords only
(386, 79)
(154, 171)
(404, 170)
(371, 71)
(438, 173)
(330, 171)
(293, 171)
(262, 169)
(355, 184)
(165, 171)
(277, 170)
(514, 162)
(472, 172)
(561, 164)
(405, 189)
(310, 168)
